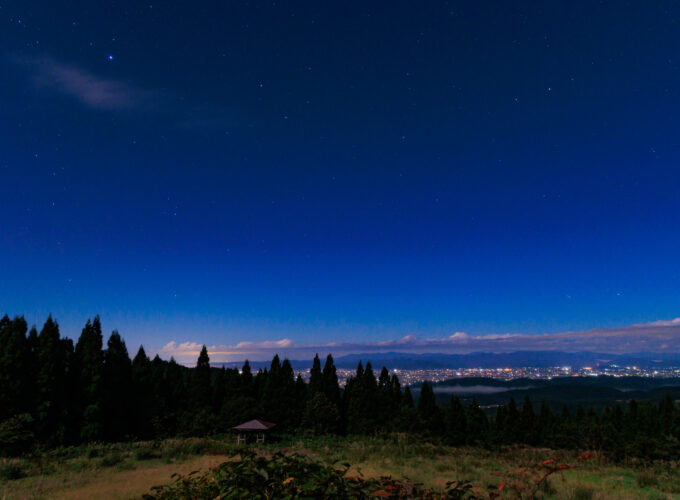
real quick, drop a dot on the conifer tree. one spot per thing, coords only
(200, 420)
(247, 387)
(527, 422)
(292, 414)
(242, 405)
(14, 367)
(219, 390)
(142, 395)
(72, 399)
(545, 422)
(348, 413)
(315, 378)
(51, 385)
(301, 393)
(361, 404)
(396, 392)
(511, 431)
(456, 422)
(321, 416)
(176, 398)
(407, 417)
(385, 401)
(329, 376)
(158, 367)
(201, 390)
(89, 364)
(666, 414)
(118, 389)
(370, 385)
(259, 386)
(31, 364)
(163, 416)
(407, 399)
(278, 395)
(428, 411)
(7, 374)
(477, 423)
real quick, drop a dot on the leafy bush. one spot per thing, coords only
(16, 436)
(93, 452)
(11, 469)
(547, 488)
(647, 478)
(146, 453)
(111, 460)
(582, 493)
(293, 476)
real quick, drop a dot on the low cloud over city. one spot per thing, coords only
(659, 336)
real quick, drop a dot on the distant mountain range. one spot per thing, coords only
(538, 359)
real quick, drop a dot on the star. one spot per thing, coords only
(110, 57)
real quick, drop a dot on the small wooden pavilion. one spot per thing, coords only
(256, 427)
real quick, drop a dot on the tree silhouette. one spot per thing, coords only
(117, 388)
(89, 369)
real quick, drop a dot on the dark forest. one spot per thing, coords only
(55, 393)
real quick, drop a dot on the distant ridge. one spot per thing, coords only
(518, 359)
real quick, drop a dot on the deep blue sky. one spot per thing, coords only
(226, 171)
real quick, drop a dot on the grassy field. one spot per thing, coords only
(124, 471)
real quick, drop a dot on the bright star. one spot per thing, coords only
(110, 58)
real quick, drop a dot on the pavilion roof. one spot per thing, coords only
(254, 425)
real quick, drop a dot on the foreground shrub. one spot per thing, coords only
(647, 478)
(582, 493)
(16, 436)
(527, 482)
(294, 476)
(111, 460)
(11, 469)
(146, 453)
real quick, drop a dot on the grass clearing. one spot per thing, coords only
(110, 483)
(127, 470)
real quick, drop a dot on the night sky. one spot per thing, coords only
(219, 172)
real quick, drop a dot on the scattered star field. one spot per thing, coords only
(221, 172)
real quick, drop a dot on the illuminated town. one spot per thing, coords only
(408, 377)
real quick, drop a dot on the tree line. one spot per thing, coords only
(54, 392)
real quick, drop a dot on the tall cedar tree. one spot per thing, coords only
(14, 367)
(362, 404)
(527, 422)
(385, 401)
(293, 414)
(331, 388)
(407, 418)
(477, 423)
(51, 382)
(142, 389)
(31, 396)
(300, 392)
(118, 389)
(176, 398)
(219, 390)
(200, 420)
(456, 422)
(201, 392)
(158, 367)
(89, 369)
(428, 411)
(315, 378)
